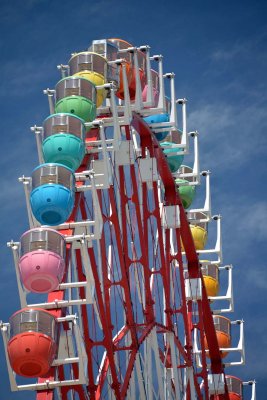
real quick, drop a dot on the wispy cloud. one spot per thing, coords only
(242, 49)
(230, 135)
(248, 220)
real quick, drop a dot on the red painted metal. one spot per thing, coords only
(172, 197)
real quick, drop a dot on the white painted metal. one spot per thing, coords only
(175, 363)
(159, 369)
(64, 69)
(38, 131)
(148, 369)
(173, 115)
(138, 91)
(207, 204)
(229, 296)
(140, 380)
(27, 188)
(171, 217)
(22, 293)
(149, 101)
(148, 169)
(217, 250)
(116, 124)
(195, 174)
(161, 103)
(193, 289)
(253, 388)
(51, 99)
(127, 102)
(184, 138)
(125, 153)
(190, 374)
(216, 384)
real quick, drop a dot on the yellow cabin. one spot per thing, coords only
(93, 67)
(210, 274)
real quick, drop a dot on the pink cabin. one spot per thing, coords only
(42, 259)
(155, 88)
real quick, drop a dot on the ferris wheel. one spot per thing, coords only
(122, 288)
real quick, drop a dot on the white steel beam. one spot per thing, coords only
(159, 369)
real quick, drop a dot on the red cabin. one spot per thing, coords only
(235, 387)
(32, 344)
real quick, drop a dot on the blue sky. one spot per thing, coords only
(218, 53)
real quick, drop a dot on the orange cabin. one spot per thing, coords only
(223, 333)
(130, 69)
(32, 344)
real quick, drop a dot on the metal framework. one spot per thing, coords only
(132, 326)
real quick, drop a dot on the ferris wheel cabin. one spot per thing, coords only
(52, 195)
(223, 333)
(199, 231)
(91, 66)
(210, 274)
(76, 95)
(32, 343)
(159, 122)
(42, 259)
(173, 157)
(187, 192)
(109, 50)
(158, 119)
(235, 387)
(63, 140)
(131, 67)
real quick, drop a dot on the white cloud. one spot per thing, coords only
(247, 221)
(230, 136)
(241, 49)
(229, 53)
(256, 220)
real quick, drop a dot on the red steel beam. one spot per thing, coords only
(172, 197)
